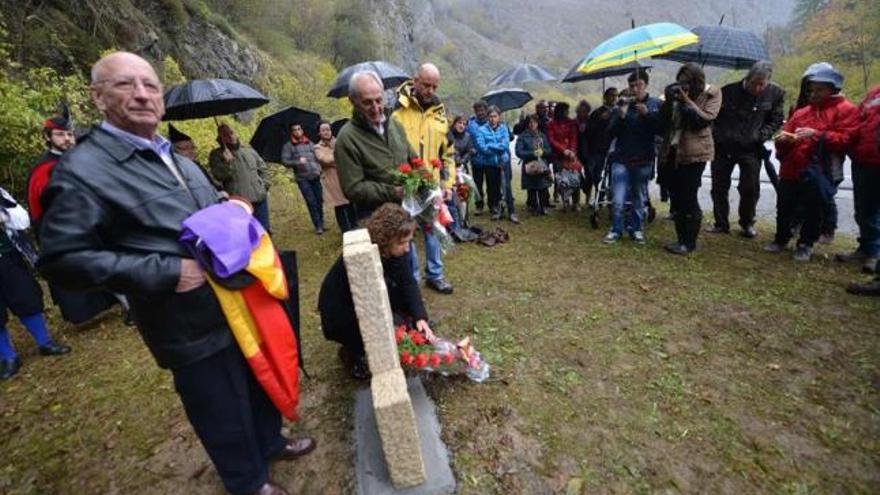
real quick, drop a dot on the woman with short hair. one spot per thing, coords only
(346, 217)
(493, 150)
(391, 229)
(532, 147)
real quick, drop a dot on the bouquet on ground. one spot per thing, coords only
(443, 356)
(423, 198)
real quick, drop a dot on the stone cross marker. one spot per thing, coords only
(394, 411)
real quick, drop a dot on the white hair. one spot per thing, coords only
(353, 90)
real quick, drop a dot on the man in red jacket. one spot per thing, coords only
(813, 137)
(59, 138)
(865, 153)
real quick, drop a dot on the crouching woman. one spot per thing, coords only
(391, 229)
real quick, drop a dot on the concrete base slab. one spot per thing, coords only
(371, 473)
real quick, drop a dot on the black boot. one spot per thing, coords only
(694, 222)
(677, 247)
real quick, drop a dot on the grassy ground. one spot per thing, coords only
(616, 369)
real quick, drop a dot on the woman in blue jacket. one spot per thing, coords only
(493, 151)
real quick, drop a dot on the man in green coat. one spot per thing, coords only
(241, 171)
(369, 148)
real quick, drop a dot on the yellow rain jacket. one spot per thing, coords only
(427, 131)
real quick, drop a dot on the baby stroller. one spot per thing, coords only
(602, 196)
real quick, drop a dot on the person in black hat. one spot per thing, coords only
(184, 145)
(76, 307)
(58, 133)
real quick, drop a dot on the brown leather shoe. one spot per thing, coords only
(271, 489)
(296, 448)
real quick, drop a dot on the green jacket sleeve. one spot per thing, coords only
(356, 187)
(221, 170)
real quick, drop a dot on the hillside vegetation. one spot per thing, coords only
(292, 49)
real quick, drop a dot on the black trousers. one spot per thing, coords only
(236, 422)
(493, 186)
(19, 291)
(684, 183)
(538, 199)
(749, 187)
(479, 179)
(346, 217)
(796, 199)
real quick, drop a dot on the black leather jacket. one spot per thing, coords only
(113, 217)
(745, 122)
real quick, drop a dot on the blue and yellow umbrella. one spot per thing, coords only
(635, 44)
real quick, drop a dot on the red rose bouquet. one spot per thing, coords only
(423, 198)
(443, 356)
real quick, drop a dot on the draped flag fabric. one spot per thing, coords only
(226, 239)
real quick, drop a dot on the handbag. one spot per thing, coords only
(536, 167)
(572, 164)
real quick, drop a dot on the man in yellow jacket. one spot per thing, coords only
(423, 118)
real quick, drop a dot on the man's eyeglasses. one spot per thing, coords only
(129, 85)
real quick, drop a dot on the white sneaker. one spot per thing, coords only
(638, 237)
(611, 238)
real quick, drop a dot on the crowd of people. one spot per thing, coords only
(108, 211)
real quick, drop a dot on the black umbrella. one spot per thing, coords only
(202, 98)
(507, 98)
(274, 131)
(336, 126)
(522, 73)
(721, 46)
(392, 76)
(575, 76)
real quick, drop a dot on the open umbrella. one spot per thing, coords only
(721, 46)
(507, 98)
(274, 131)
(522, 73)
(635, 44)
(202, 98)
(575, 76)
(336, 126)
(392, 76)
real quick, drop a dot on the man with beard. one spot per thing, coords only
(76, 307)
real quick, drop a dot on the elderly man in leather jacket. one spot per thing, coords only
(751, 113)
(113, 216)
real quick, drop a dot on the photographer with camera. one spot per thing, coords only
(633, 124)
(690, 108)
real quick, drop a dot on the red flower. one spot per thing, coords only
(421, 360)
(449, 358)
(416, 337)
(406, 358)
(400, 334)
(434, 360)
(417, 162)
(405, 168)
(426, 174)
(436, 163)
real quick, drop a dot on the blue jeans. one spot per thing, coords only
(434, 262)
(314, 196)
(866, 184)
(629, 183)
(506, 182)
(456, 215)
(261, 213)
